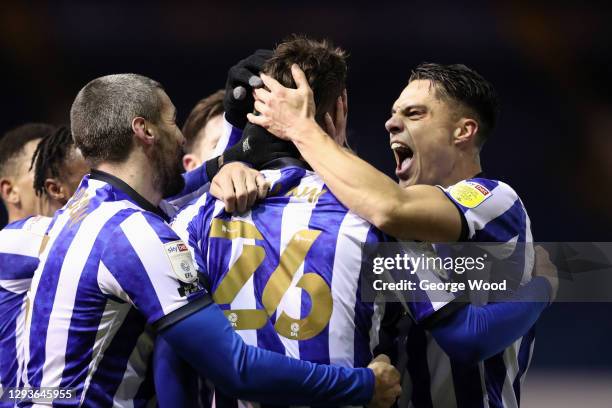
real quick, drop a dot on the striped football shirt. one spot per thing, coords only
(112, 267)
(287, 272)
(493, 212)
(20, 243)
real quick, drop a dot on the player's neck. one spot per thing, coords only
(463, 169)
(138, 177)
(15, 214)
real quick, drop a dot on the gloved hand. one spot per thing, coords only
(242, 78)
(256, 148)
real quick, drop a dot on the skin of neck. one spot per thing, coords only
(49, 206)
(15, 213)
(136, 171)
(467, 165)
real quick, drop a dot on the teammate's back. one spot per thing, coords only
(287, 272)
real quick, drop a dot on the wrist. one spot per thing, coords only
(305, 130)
(370, 386)
(546, 286)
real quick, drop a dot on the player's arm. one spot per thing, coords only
(235, 183)
(210, 345)
(474, 333)
(146, 264)
(289, 114)
(241, 79)
(176, 382)
(240, 190)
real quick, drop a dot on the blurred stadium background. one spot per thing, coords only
(550, 62)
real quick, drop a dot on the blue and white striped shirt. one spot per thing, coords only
(20, 243)
(112, 267)
(493, 213)
(287, 272)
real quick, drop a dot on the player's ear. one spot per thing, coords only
(54, 190)
(142, 131)
(465, 131)
(9, 192)
(190, 162)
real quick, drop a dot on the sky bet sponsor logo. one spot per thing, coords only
(175, 248)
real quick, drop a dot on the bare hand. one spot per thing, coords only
(387, 386)
(545, 268)
(284, 111)
(238, 186)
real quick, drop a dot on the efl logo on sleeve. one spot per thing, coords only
(181, 261)
(469, 194)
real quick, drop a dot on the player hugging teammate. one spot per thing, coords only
(238, 283)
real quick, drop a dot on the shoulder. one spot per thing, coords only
(29, 231)
(193, 214)
(138, 229)
(481, 192)
(38, 225)
(191, 209)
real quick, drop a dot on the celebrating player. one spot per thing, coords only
(203, 131)
(112, 267)
(16, 149)
(437, 128)
(286, 274)
(58, 168)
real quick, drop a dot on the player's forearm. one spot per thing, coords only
(206, 340)
(476, 333)
(415, 213)
(357, 184)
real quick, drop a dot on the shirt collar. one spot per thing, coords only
(129, 191)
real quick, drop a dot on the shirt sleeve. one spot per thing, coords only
(427, 302)
(413, 269)
(491, 209)
(149, 266)
(493, 213)
(190, 225)
(476, 333)
(20, 246)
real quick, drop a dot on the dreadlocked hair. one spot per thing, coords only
(49, 157)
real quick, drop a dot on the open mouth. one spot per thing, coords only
(403, 158)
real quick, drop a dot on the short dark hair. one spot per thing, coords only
(102, 113)
(206, 109)
(322, 62)
(13, 142)
(50, 156)
(466, 87)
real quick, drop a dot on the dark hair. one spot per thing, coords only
(50, 156)
(465, 87)
(322, 62)
(13, 142)
(102, 113)
(206, 109)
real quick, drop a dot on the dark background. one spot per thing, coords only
(549, 62)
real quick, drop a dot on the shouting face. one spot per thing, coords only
(421, 135)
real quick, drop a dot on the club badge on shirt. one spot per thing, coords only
(181, 261)
(469, 193)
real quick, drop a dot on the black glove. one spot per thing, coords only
(241, 79)
(256, 148)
